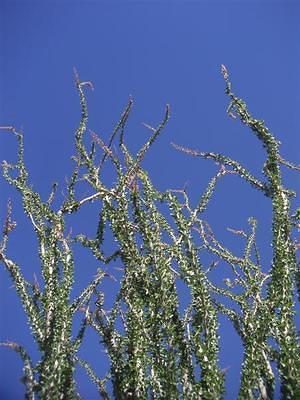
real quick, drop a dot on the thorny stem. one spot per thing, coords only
(155, 350)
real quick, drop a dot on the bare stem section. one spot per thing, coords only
(156, 348)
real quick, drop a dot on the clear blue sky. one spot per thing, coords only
(159, 52)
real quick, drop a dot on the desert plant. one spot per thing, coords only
(156, 350)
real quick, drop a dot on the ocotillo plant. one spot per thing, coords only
(156, 351)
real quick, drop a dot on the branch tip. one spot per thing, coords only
(224, 72)
(76, 76)
(88, 83)
(8, 128)
(167, 111)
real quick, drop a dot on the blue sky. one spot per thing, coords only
(158, 52)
